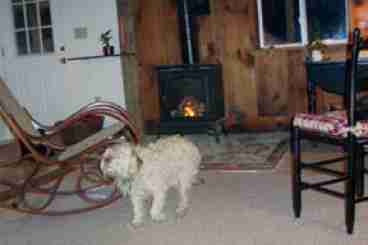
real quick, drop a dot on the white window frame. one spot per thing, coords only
(26, 27)
(303, 27)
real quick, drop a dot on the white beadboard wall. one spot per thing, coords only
(51, 90)
(4, 133)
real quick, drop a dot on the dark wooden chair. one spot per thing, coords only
(341, 128)
(54, 164)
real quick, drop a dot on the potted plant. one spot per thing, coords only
(316, 50)
(107, 48)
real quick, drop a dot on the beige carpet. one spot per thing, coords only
(230, 208)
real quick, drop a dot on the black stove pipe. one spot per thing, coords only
(188, 32)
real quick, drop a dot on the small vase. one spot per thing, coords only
(108, 50)
(317, 55)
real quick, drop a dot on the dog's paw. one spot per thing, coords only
(136, 223)
(199, 181)
(181, 212)
(159, 217)
(134, 227)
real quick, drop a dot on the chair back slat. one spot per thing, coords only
(10, 106)
(351, 76)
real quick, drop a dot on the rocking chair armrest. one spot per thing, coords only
(47, 141)
(42, 128)
(46, 138)
(114, 108)
(99, 109)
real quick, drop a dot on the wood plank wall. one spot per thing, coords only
(265, 87)
(158, 43)
(127, 11)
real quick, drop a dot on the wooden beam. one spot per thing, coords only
(127, 11)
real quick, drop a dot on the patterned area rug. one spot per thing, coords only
(241, 151)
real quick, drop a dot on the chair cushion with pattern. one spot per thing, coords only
(332, 123)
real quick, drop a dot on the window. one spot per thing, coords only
(33, 26)
(297, 22)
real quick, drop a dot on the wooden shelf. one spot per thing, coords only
(124, 53)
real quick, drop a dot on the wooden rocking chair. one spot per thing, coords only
(54, 164)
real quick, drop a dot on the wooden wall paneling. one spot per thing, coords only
(208, 47)
(127, 11)
(272, 82)
(253, 24)
(333, 102)
(297, 82)
(171, 36)
(230, 62)
(321, 100)
(266, 123)
(249, 57)
(218, 45)
(239, 89)
(152, 51)
(327, 101)
(244, 10)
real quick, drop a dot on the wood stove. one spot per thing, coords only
(191, 94)
(191, 97)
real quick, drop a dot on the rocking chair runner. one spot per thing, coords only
(79, 160)
(343, 128)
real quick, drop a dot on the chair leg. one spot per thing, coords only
(360, 172)
(296, 172)
(350, 185)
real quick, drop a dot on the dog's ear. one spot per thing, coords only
(135, 163)
(107, 154)
(106, 157)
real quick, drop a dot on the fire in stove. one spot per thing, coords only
(188, 110)
(189, 107)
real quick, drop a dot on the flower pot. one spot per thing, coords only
(108, 50)
(317, 55)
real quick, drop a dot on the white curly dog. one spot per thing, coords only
(146, 172)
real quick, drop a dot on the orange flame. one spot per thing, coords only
(188, 111)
